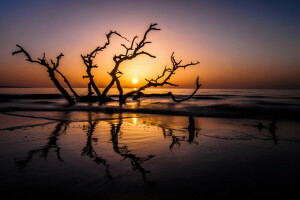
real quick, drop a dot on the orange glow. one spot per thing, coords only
(222, 64)
(134, 80)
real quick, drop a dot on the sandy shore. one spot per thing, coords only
(144, 156)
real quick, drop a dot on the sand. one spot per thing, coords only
(144, 156)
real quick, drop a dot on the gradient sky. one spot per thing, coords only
(240, 44)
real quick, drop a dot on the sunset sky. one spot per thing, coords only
(240, 44)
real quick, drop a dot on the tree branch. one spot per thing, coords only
(131, 53)
(88, 61)
(184, 99)
(50, 70)
(166, 74)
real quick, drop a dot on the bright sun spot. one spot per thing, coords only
(134, 80)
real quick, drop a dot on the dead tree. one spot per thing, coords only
(131, 52)
(134, 50)
(51, 72)
(88, 61)
(161, 80)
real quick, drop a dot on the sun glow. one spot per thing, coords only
(134, 80)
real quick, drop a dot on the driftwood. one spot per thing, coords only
(134, 50)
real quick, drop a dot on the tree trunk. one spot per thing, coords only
(67, 82)
(90, 93)
(93, 84)
(121, 100)
(95, 87)
(60, 88)
(113, 75)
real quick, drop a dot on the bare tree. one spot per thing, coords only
(88, 61)
(162, 80)
(51, 72)
(131, 52)
(134, 50)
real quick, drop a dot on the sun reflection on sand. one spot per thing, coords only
(134, 120)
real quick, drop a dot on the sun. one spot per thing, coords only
(134, 80)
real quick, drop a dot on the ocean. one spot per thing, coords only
(240, 103)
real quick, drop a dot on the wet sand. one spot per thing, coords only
(143, 156)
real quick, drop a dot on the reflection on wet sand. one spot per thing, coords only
(126, 154)
(177, 139)
(60, 128)
(123, 151)
(272, 128)
(89, 151)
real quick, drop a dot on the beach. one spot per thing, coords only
(121, 154)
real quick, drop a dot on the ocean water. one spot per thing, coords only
(248, 103)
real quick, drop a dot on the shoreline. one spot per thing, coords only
(145, 152)
(212, 112)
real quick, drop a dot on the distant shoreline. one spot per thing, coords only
(170, 88)
(13, 86)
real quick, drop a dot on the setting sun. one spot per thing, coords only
(134, 80)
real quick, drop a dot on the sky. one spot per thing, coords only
(239, 44)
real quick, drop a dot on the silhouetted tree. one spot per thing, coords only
(88, 61)
(51, 72)
(134, 50)
(166, 75)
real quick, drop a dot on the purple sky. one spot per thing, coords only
(240, 44)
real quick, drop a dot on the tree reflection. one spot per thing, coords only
(176, 140)
(250, 136)
(89, 150)
(121, 149)
(135, 161)
(60, 128)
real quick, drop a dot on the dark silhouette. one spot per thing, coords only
(134, 50)
(177, 139)
(166, 77)
(272, 128)
(259, 126)
(89, 151)
(60, 128)
(88, 61)
(51, 72)
(191, 129)
(123, 151)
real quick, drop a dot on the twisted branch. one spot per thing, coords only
(88, 61)
(42, 61)
(131, 53)
(166, 76)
